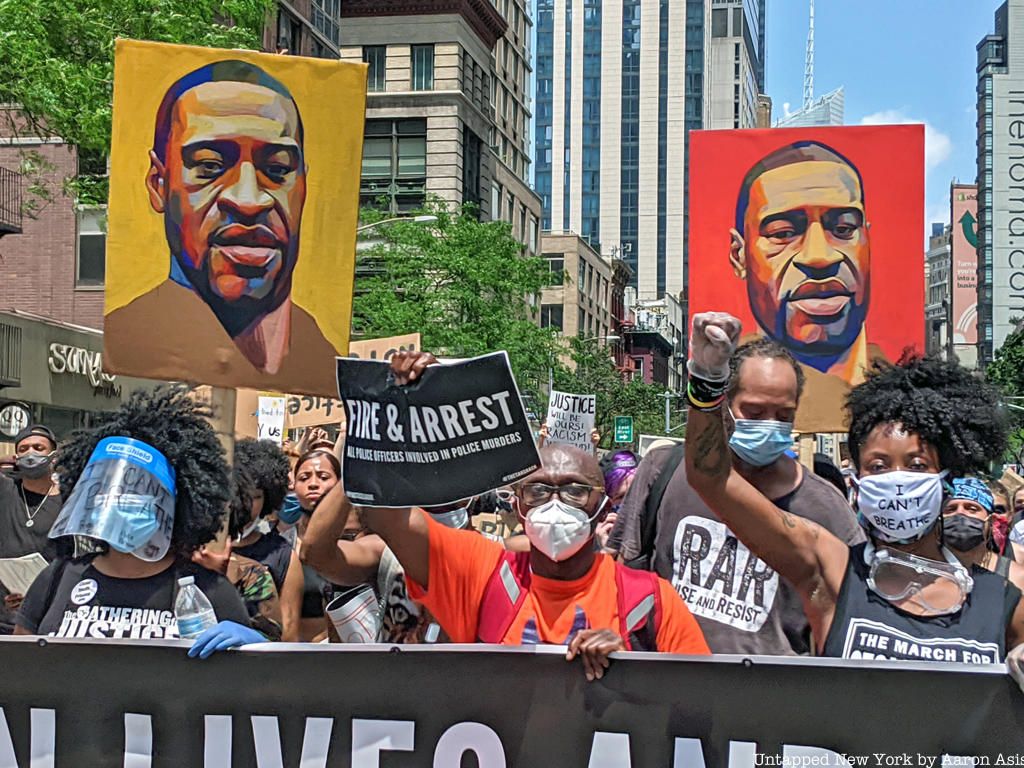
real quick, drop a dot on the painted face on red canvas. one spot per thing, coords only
(807, 255)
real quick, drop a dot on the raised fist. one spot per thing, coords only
(713, 339)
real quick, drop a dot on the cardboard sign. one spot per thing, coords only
(234, 197)
(458, 431)
(310, 411)
(812, 237)
(570, 419)
(271, 419)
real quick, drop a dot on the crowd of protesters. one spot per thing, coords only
(727, 544)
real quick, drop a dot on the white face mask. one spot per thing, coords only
(899, 507)
(559, 530)
(260, 524)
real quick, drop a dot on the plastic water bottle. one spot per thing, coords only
(192, 610)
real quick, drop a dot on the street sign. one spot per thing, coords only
(623, 429)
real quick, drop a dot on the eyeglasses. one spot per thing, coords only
(576, 494)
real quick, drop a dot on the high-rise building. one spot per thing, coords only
(824, 110)
(1000, 179)
(938, 293)
(305, 28)
(619, 84)
(736, 55)
(446, 110)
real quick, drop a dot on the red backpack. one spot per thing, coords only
(639, 602)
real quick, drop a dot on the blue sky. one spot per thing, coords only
(900, 61)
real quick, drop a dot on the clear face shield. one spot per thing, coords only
(938, 588)
(125, 497)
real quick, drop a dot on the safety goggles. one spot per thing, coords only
(938, 588)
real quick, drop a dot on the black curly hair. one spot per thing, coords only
(268, 466)
(170, 421)
(243, 486)
(940, 401)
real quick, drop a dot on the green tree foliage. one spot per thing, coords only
(463, 284)
(595, 374)
(57, 59)
(1007, 371)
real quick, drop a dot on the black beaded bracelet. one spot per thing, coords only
(704, 394)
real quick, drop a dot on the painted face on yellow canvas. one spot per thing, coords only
(807, 255)
(233, 189)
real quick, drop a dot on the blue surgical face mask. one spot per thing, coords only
(291, 511)
(132, 526)
(761, 442)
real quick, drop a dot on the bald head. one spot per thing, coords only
(567, 464)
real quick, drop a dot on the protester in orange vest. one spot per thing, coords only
(560, 592)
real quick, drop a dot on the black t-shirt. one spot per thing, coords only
(17, 538)
(274, 551)
(867, 626)
(73, 599)
(741, 604)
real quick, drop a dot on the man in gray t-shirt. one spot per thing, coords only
(741, 604)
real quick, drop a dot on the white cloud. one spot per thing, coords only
(937, 145)
(785, 110)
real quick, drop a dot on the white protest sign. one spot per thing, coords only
(571, 419)
(270, 418)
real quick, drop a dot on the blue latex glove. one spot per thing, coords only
(227, 634)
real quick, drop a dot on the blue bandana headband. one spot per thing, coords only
(973, 489)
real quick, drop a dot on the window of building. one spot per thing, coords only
(581, 278)
(289, 34)
(376, 56)
(495, 202)
(581, 322)
(90, 268)
(326, 15)
(423, 67)
(471, 155)
(551, 316)
(556, 265)
(394, 164)
(720, 22)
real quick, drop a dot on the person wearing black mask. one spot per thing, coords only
(29, 503)
(967, 519)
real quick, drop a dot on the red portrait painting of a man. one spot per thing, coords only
(823, 247)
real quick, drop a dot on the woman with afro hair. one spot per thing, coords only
(903, 594)
(165, 497)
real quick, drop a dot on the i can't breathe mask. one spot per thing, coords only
(899, 507)
(125, 497)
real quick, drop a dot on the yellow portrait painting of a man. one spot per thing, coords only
(228, 181)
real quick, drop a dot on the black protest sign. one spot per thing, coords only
(457, 431)
(108, 704)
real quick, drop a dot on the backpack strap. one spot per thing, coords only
(649, 517)
(65, 566)
(504, 595)
(639, 599)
